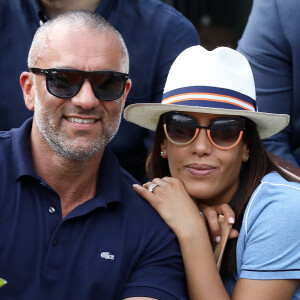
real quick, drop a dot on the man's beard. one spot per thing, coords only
(62, 145)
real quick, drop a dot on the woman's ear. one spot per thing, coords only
(163, 149)
(246, 153)
(26, 82)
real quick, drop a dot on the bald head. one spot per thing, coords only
(75, 20)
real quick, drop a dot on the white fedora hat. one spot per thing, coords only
(213, 82)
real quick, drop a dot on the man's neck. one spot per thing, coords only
(75, 181)
(55, 7)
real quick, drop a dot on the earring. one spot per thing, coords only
(162, 154)
(247, 158)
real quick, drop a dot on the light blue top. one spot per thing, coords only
(268, 246)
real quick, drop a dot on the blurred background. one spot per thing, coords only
(219, 22)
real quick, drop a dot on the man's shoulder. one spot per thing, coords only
(131, 197)
(134, 203)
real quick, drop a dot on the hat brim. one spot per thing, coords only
(147, 115)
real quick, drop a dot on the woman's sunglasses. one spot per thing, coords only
(66, 83)
(224, 133)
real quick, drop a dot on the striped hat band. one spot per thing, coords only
(207, 96)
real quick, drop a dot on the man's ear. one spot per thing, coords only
(126, 91)
(26, 82)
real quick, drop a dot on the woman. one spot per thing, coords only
(207, 151)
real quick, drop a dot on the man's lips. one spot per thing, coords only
(81, 120)
(82, 123)
(200, 169)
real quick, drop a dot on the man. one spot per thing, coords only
(154, 32)
(71, 225)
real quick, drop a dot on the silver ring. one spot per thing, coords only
(152, 187)
(201, 213)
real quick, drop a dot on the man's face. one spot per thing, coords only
(77, 127)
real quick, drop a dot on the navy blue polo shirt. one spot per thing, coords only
(111, 247)
(154, 32)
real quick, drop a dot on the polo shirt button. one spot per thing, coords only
(54, 243)
(51, 210)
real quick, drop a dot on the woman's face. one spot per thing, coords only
(209, 174)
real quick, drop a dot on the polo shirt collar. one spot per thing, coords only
(109, 178)
(21, 150)
(109, 187)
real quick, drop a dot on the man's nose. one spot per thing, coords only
(85, 97)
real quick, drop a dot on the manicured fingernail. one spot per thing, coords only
(218, 239)
(135, 185)
(231, 220)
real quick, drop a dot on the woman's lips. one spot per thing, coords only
(200, 169)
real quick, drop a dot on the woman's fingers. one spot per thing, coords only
(211, 217)
(211, 214)
(168, 196)
(227, 212)
(143, 190)
(233, 234)
(171, 200)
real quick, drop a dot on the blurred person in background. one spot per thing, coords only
(271, 43)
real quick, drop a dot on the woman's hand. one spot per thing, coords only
(211, 214)
(171, 200)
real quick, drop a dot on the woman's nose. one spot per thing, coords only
(202, 145)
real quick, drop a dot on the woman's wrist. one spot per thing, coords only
(191, 229)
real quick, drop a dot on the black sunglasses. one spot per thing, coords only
(66, 83)
(224, 133)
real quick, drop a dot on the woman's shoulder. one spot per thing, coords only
(268, 244)
(274, 198)
(275, 183)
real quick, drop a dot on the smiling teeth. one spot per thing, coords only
(78, 120)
